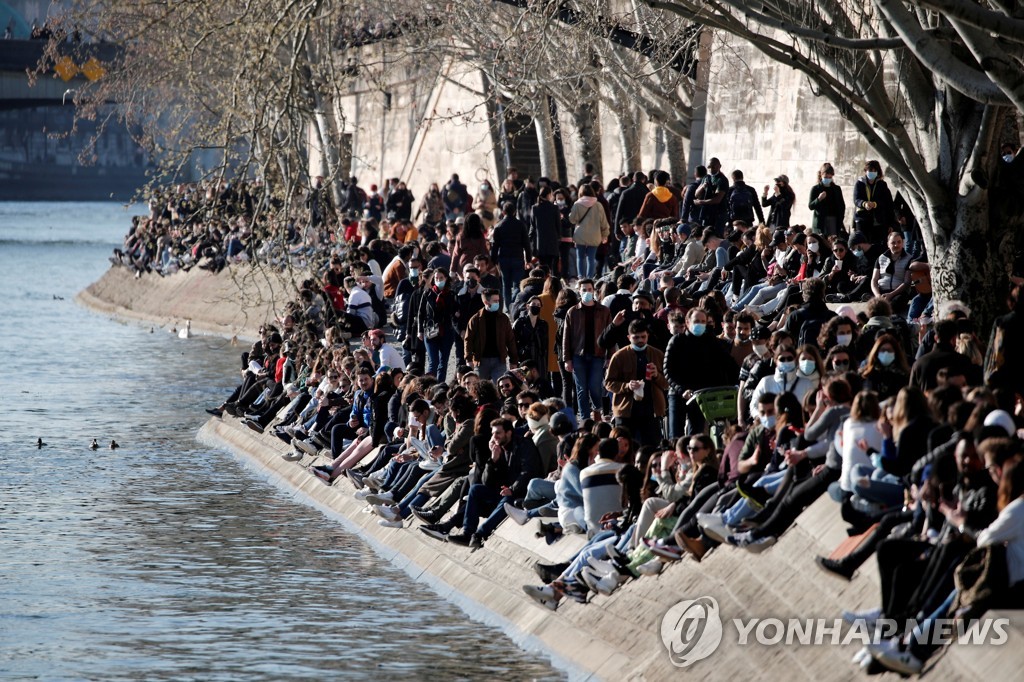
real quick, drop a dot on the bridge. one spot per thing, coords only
(78, 63)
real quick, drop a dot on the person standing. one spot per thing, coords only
(871, 196)
(632, 199)
(437, 324)
(531, 334)
(591, 231)
(638, 386)
(545, 225)
(827, 202)
(780, 202)
(490, 340)
(584, 357)
(511, 251)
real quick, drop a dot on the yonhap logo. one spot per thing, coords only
(691, 630)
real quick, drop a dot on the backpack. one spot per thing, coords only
(741, 203)
(809, 331)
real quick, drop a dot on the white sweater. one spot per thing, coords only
(1008, 528)
(853, 432)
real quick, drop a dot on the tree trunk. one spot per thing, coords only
(676, 145)
(545, 137)
(629, 136)
(587, 130)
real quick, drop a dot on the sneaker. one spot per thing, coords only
(435, 532)
(427, 516)
(355, 477)
(615, 555)
(292, 456)
(381, 498)
(652, 567)
(834, 568)
(520, 516)
(602, 584)
(389, 513)
(390, 524)
(460, 537)
(255, 426)
(761, 544)
(321, 474)
(577, 591)
(740, 539)
(549, 572)
(713, 525)
(306, 447)
(362, 494)
(252, 416)
(542, 594)
(668, 552)
(902, 662)
(602, 566)
(373, 483)
(215, 411)
(869, 616)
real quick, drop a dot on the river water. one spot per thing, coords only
(164, 559)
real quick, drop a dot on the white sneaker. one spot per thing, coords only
(862, 654)
(362, 493)
(389, 513)
(899, 661)
(602, 584)
(543, 595)
(713, 525)
(520, 516)
(652, 567)
(306, 447)
(381, 498)
(292, 456)
(390, 524)
(601, 566)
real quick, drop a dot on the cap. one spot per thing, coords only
(560, 424)
(1003, 419)
(779, 238)
(859, 237)
(460, 220)
(760, 333)
(783, 178)
(645, 296)
(373, 188)
(683, 228)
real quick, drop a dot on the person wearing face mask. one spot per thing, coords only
(490, 339)
(760, 352)
(531, 334)
(885, 370)
(615, 334)
(486, 203)
(788, 376)
(742, 344)
(582, 355)
(438, 308)
(874, 214)
(827, 202)
(397, 270)
(638, 386)
(694, 360)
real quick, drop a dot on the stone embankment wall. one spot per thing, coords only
(613, 638)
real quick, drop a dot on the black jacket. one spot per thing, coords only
(545, 225)
(511, 240)
(515, 468)
(630, 202)
(696, 362)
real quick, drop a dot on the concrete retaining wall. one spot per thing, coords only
(613, 638)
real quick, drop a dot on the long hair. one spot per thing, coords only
(482, 421)
(581, 451)
(789, 411)
(911, 403)
(1011, 485)
(474, 227)
(899, 363)
(865, 407)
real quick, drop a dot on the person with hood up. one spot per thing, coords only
(592, 229)
(661, 202)
(789, 377)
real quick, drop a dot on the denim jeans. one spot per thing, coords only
(588, 372)
(513, 271)
(880, 487)
(439, 351)
(586, 261)
(492, 369)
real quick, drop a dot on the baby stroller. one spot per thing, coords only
(718, 405)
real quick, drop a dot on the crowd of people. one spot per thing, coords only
(539, 353)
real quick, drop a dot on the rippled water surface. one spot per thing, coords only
(164, 559)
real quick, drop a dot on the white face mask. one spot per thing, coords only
(844, 339)
(813, 247)
(760, 349)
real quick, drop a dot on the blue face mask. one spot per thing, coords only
(493, 307)
(638, 349)
(826, 181)
(698, 328)
(439, 283)
(414, 272)
(768, 421)
(787, 367)
(808, 367)
(871, 175)
(859, 253)
(886, 357)
(1008, 158)
(588, 296)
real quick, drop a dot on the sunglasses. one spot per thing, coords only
(690, 448)
(787, 358)
(524, 404)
